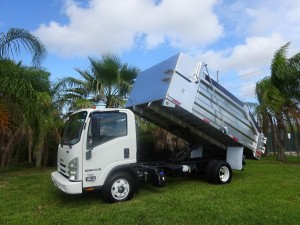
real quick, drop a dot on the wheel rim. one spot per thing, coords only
(120, 189)
(224, 173)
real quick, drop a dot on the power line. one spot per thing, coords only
(249, 95)
(247, 74)
(243, 85)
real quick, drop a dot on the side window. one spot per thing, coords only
(106, 126)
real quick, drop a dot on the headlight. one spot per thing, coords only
(73, 169)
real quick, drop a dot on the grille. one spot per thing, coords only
(62, 169)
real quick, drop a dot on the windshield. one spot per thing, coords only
(73, 128)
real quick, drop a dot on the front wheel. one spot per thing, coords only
(119, 188)
(221, 173)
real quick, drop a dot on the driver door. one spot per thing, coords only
(108, 144)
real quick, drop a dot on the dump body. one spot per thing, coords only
(179, 95)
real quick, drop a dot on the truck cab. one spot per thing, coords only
(95, 145)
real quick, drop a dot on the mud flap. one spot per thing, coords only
(235, 157)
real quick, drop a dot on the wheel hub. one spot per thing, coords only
(224, 173)
(121, 189)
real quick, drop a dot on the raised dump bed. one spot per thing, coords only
(179, 95)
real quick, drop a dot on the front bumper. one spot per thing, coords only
(65, 185)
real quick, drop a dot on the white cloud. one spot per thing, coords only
(275, 16)
(254, 53)
(244, 64)
(254, 30)
(260, 28)
(114, 25)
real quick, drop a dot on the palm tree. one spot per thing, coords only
(26, 110)
(11, 42)
(26, 96)
(114, 80)
(73, 93)
(271, 102)
(107, 83)
(279, 97)
(286, 77)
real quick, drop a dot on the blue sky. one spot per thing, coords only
(236, 38)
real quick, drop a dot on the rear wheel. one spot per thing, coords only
(119, 188)
(221, 173)
(208, 170)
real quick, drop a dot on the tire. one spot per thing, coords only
(221, 173)
(119, 188)
(208, 170)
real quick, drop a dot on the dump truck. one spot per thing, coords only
(98, 149)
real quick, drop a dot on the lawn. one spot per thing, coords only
(266, 192)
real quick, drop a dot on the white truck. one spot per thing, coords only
(98, 147)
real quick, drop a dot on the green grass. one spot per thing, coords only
(266, 192)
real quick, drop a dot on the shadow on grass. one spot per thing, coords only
(87, 198)
(74, 199)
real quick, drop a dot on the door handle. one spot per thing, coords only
(126, 153)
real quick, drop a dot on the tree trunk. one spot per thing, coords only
(265, 129)
(45, 155)
(281, 135)
(296, 136)
(7, 154)
(273, 132)
(30, 144)
(39, 149)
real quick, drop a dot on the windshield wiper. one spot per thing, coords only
(66, 142)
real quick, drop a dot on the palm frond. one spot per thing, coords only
(11, 42)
